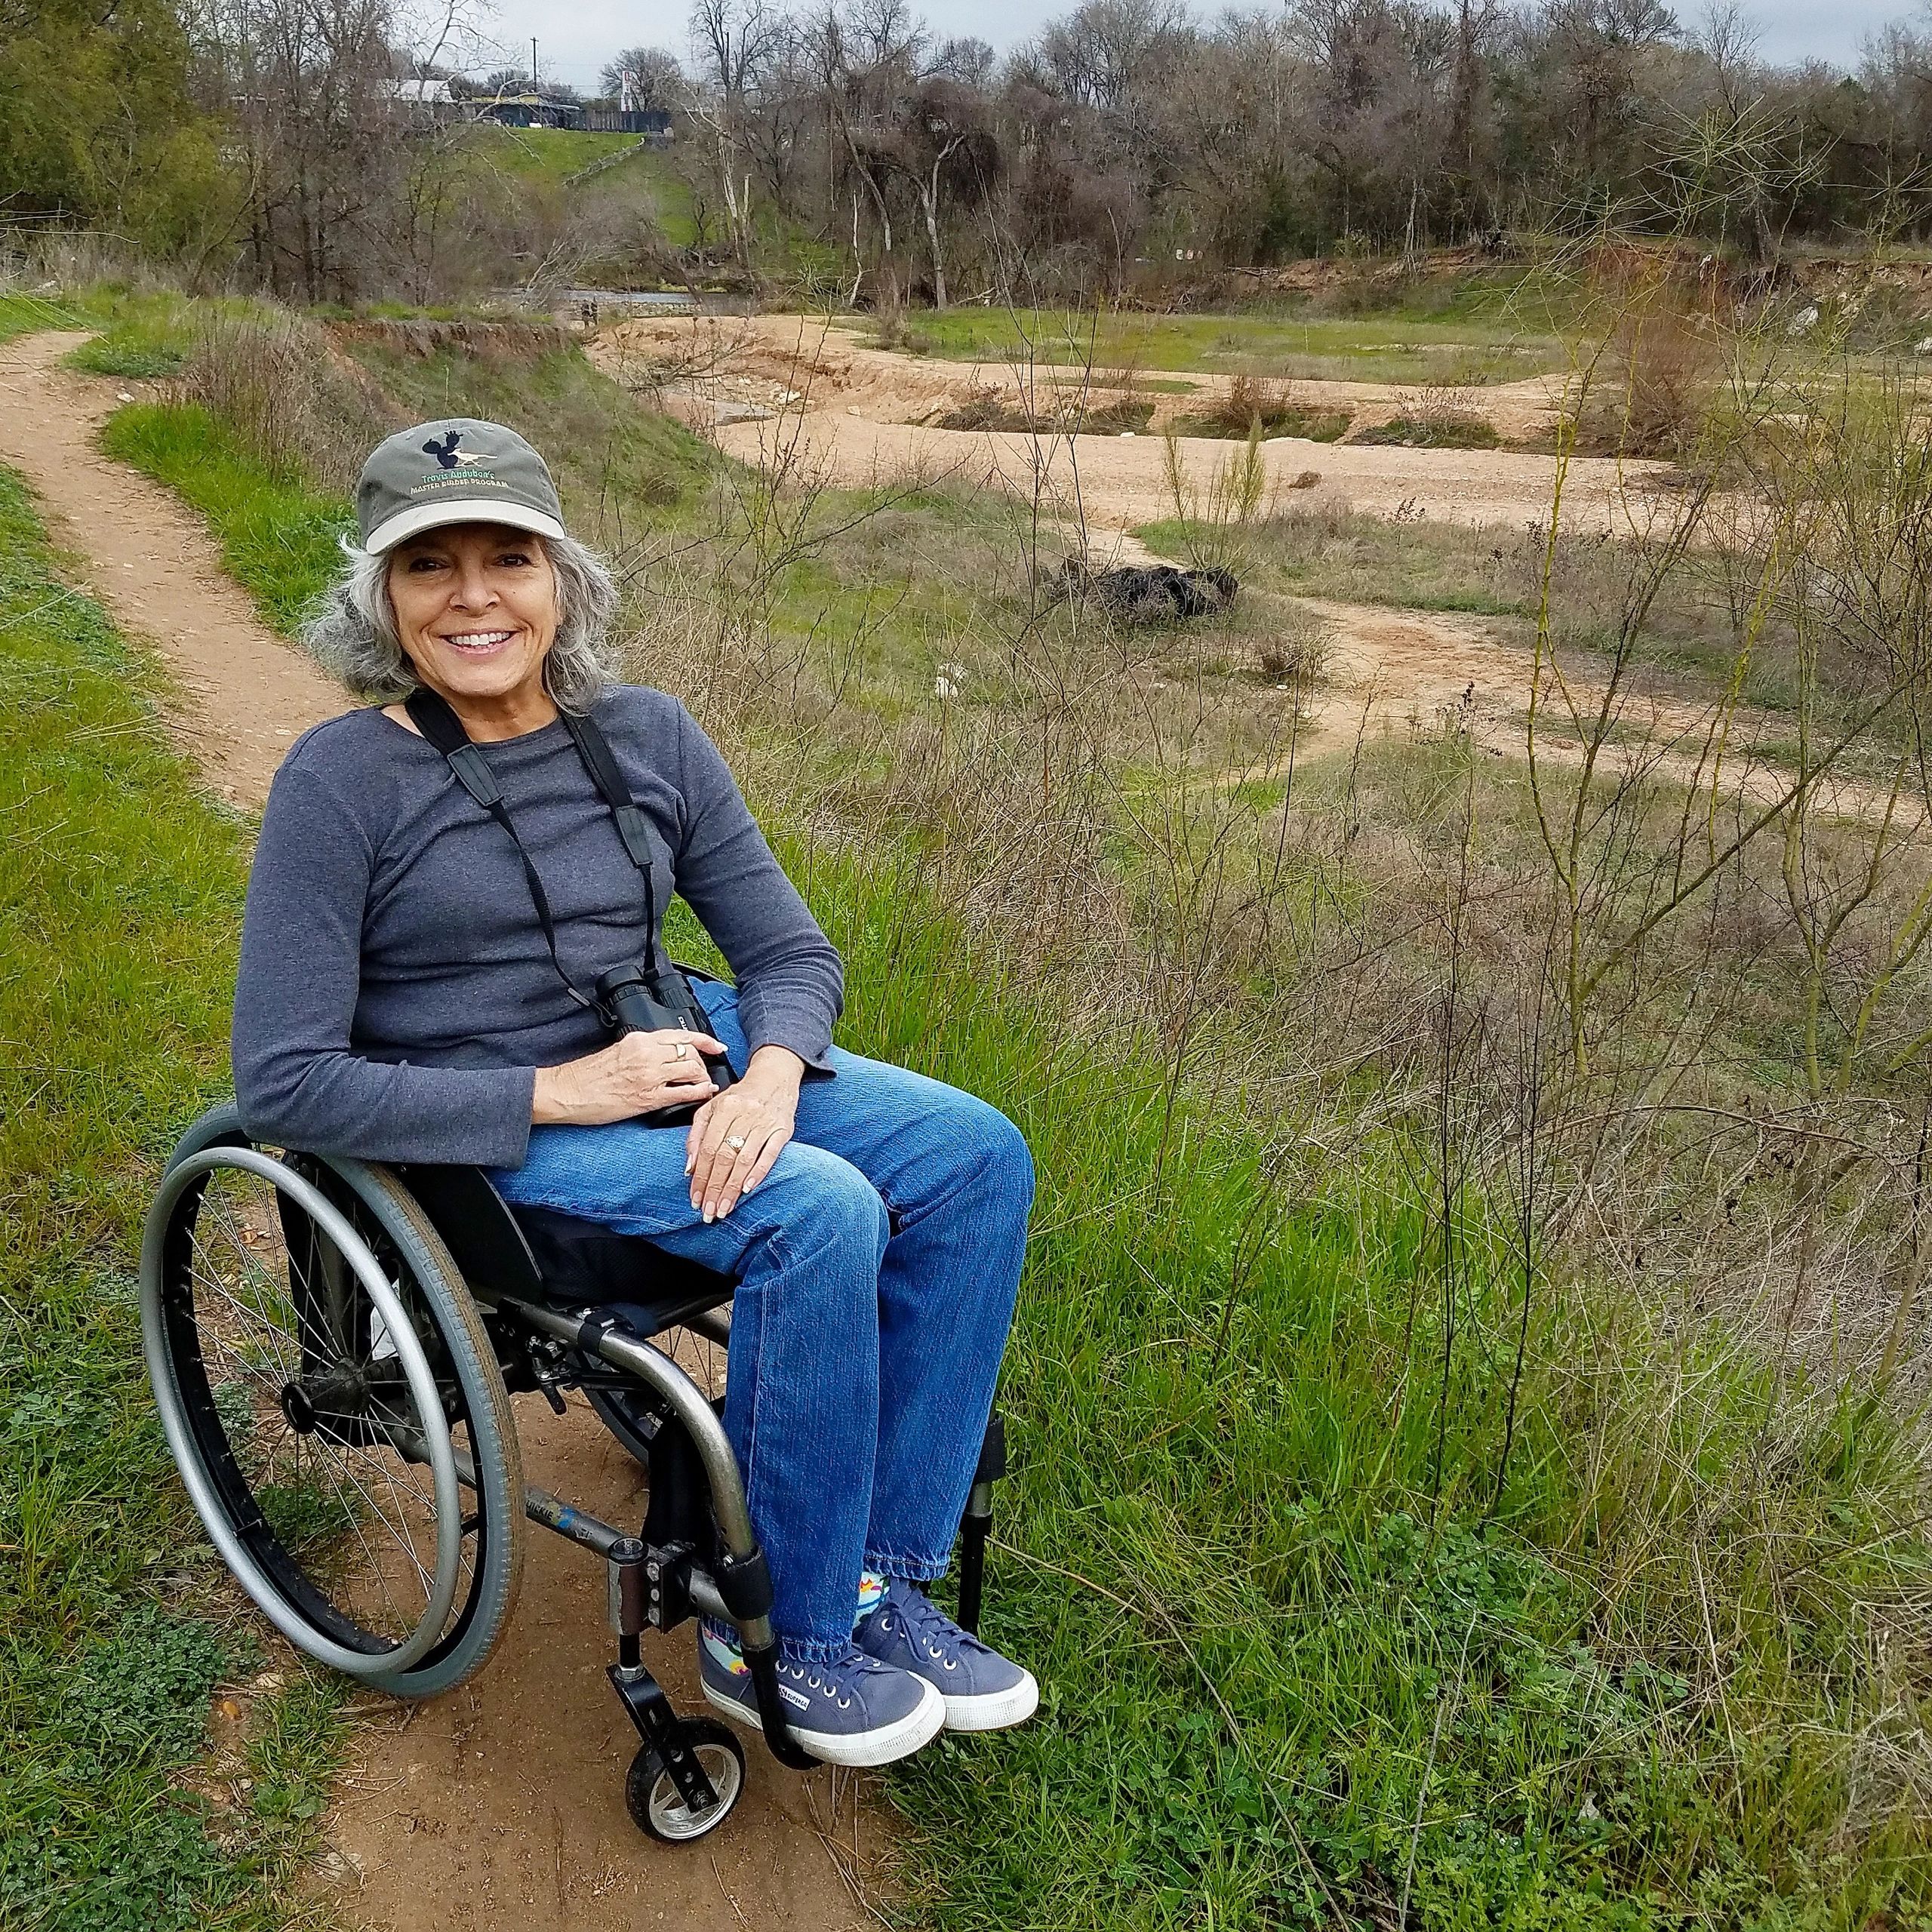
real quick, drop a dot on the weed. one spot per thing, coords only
(1434, 420)
(1082, 413)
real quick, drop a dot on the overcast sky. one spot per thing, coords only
(573, 42)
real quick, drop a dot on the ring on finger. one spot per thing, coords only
(735, 1142)
(679, 1049)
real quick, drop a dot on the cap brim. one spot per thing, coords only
(406, 524)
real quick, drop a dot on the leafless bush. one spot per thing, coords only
(1296, 650)
(276, 379)
(1651, 392)
(1435, 418)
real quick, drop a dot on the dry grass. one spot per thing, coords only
(1079, 411)
(1435, 419)
(278, 382)
(1651, 392)
(1274, 408)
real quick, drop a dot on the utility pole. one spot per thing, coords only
(535, 78)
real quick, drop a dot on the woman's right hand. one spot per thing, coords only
(637, 1074)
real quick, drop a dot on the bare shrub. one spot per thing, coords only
(294, 400)
(1651, 392)
(984, 408)
(1435, 419)
(1079, 411)
(1296, 651)
(1278, 408)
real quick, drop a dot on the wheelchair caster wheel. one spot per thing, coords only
(656, 1804)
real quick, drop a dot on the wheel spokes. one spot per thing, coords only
(305, 1386)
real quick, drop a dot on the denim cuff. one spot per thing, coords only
(908, 1569)
(791, 1649)
(810, 1650)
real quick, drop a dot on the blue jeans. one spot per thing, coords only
(877, 1265)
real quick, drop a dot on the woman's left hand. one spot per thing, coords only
(735, 1136)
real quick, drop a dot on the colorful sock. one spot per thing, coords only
(722, 1640)
(871, 1594)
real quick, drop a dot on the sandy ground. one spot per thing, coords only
(794, 391)
(501, 1804)
(767, 361)
(803, 399)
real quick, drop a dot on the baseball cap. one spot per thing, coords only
(456, 470)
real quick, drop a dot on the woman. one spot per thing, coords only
(399, 1000)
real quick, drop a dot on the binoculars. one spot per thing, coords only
(635, 999)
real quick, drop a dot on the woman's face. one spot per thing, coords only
(475, 606)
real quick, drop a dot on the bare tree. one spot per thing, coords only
(642, 79)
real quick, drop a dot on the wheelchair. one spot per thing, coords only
(332, 1344)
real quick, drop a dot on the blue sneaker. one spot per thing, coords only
(982, 1690)
(852, 1711)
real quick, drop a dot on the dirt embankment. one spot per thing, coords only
(803, 386)
(711, 368)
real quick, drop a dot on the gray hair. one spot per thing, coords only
(351, 632)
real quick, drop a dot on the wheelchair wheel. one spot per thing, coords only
(329, 1393)
(656, 1804)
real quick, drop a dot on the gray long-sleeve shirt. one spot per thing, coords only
(395, 996)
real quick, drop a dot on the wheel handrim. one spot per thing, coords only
(673, 1818)
(299, 1404)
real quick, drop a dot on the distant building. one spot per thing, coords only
(653, 123)
(528, 110)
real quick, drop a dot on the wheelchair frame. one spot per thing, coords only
(696, 1553)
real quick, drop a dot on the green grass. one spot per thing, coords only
(120, 899)
(279, 539)
(27, 314)
(1281, 1670)
(1302, 1663)
(1368, 348)
(550, 155)
(142, 333)
(547, 158)
(146, 336)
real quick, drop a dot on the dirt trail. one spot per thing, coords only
(240, 694)
(789, 391)
(501, 1804)
(1391, 669)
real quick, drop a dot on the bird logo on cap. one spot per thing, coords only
(448, 455)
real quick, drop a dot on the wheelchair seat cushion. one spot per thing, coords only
(582, 1263)
(540, 1254)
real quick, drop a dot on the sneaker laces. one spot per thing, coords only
(931, 1628)
(820, 1677)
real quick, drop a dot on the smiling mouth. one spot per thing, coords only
(478, 643)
